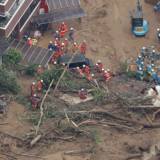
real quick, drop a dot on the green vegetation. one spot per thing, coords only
(31, 70)
(12, 58)
(99, 95)
(8, 82)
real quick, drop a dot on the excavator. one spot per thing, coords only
(139, 26)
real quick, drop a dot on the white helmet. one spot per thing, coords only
(75, 43)
(140, 69)
(33, 83)
(99, 61)
(77, 67)
(158, 29)
(55, 62)
(102, 69)
(153, 51)
(50, 42)
(84, 65)
(143, 48)
(96, 64)
(105, 71)
(139, 56)
(71, 28)
(92, 75)
(66, 39)
(62, 44)
(82, 89)
(34, 95)
(57, 31)
(39, 65)
(108, 70)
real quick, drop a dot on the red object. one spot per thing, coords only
(80, 72)
(82, 94)
(39, 86)
(83, 48)
(33, 89)
(29, 42)
(34, 102)
(86, 70)
(107, 76)
(44, 5)
(100, 66)
(63, 28)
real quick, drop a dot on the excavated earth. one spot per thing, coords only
(106, 28)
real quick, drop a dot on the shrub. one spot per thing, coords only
(31, 70)
(8, 82)
(12, 58)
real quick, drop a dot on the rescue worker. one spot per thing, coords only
(140, 74)
(83, 94)
(34, 101)
(33, 88)
(149, 69)
(153, 56)
(29, 41)
(143, 52)
(39, 70)
(71, 34)
(63, 29)
(86, 69)
(100, 66)
(80, 71)
(56, 35)
(40, 87)
(74, 47)
(51, 46)
(158, 33)
(57, 41)
(139, 60)
(83, 47)
(66, 45)
(106, 75)
(62, 47)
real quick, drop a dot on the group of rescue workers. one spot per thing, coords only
(146, 68)
(63, 43)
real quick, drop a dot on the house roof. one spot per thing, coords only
(60, 10)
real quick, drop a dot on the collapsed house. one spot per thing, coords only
(17, 15)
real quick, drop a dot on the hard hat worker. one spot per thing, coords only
(71, 34)
(83, 47)
(83, 94)
(40, 87)
(29, 41)
(33, 88)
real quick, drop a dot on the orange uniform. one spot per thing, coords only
(63, 29)
(33, 88)
(40, 85)
(29, 42)
(107, 76)
(82, 94)
(83, 48)
(80, 71)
